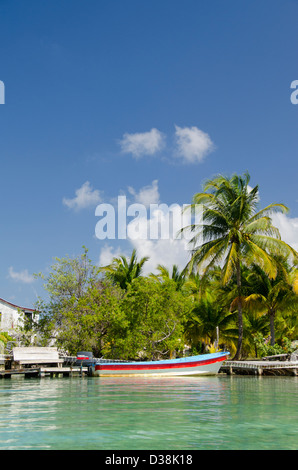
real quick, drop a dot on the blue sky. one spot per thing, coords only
(116, 96)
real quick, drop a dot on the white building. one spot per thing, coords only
(12, 316)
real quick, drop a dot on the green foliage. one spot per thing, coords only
(144, 319)
(122, 272)
(206, 315)
(68, 281)
(265, 349)
(164, 275)
(5, 337)
(212, 348)
(239, 283)
(236, 234)
(155, 312)
(93, 322)
(156, 316)
(26, 330)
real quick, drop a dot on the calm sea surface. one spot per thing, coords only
(221, 412)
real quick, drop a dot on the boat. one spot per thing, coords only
(205, 364)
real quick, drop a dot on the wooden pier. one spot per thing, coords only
(260, 367)
(43, 372)
(39, 362)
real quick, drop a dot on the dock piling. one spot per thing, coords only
(260, 367)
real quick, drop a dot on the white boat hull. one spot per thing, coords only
(208, 364)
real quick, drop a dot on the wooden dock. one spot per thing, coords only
(43, 372)
(39, 362)
(260, 367)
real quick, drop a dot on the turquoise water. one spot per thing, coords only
(210, 413)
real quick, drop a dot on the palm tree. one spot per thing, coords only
(206, 316)
(234, 233)
(287, 325)
(122, 271)
(271, 295)
(175, 275)
(255, 324)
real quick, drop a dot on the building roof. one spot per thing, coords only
(17, 306)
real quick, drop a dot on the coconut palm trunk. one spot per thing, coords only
(240, 317)
(234, 234)
(272, 329)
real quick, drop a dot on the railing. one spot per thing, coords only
(261, 364)
(105, 361)
(68, 359)
(73, 359)
(6, 357)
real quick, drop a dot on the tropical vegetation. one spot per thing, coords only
(236, 234)
(238, 291)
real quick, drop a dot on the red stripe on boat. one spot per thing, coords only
(177, 365)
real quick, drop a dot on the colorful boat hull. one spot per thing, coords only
(207, 364)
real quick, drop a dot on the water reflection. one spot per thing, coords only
(148, 413)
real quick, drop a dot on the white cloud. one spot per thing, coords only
(161, 244)
(153, 234)
(288, 228)
(108, 253)
(22, 276)
(147, 195)
(140, 144)
(192, 144)
(85, 197)
(170, 250)
(165, 252)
